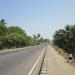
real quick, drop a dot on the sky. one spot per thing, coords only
(38, 16)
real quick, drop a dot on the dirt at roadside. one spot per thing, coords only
(66, 56)
(56, 64)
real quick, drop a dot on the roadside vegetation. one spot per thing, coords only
(65, 39)
(15, 37)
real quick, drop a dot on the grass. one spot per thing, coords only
(64, 54)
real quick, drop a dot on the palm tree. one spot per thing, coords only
(2, 21)
(38, 35)
(3, 28)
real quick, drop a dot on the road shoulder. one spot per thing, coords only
(56, 64)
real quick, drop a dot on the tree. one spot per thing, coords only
(41, 40)
(15, 29)
(29, 41)
(60, 38)
(38, 35)
(34, 38)
(65, 38)
(15, 36)
(3, 28)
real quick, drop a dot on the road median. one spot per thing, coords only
(37, 66)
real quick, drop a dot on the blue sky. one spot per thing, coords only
(38, 16)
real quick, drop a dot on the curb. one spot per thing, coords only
(43, 70)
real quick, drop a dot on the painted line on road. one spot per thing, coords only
(35, 64)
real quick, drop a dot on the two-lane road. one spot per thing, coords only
(21, 62)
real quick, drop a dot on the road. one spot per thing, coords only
(57, 65)
(21, 62)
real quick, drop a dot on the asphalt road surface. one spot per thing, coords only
(21, 62)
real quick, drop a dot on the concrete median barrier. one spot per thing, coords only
(37, 66)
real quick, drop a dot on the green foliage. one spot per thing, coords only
(29, 41)
(15, 29)
(38, 35)
(38, 39)
(14, 36)
(3, 28)
(65, 38)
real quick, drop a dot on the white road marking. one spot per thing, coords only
(35, 64)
